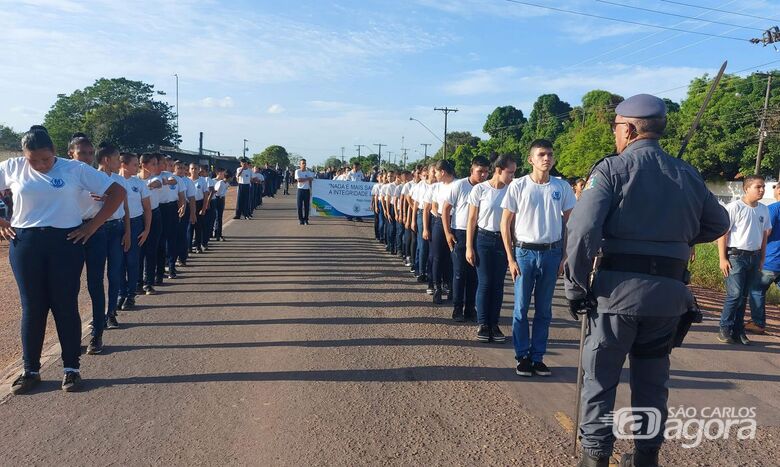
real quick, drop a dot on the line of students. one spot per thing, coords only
(460, 236)
(131, 221)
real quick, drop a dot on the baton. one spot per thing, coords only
(583, 327)
(703, 107)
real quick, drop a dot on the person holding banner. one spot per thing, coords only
(304, 177)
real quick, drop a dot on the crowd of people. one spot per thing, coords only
(132, 219)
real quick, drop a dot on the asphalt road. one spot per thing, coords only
(307, 345)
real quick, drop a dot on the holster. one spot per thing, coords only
(693, 315)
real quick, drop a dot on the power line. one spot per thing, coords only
(625, 21)
(677, 15)
(719, 10)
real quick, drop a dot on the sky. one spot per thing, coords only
(316, 76)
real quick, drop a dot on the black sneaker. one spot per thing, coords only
(422, 278)
(429, 290)
(111, 322)
(129, 303)
(139, 289)
(458, 316)
(471, 315)
(121, 303)
(743, 339)
(437, 297)
(724, 336)
(524, 367)
(158, 281)
(497, 335)
(172, 275)
(149, 290)
(95, 345)
(71, 382)
(483, 333)
(539, 368)
(25, 382)
(446, 289)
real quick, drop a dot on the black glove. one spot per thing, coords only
(582, 306)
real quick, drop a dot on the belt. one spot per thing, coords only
(488, 232)
(108, 222)
(663, 266)
(738, 252)
(167, 203)
(539, 246)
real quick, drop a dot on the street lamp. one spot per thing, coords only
(177, 105)
(245, 148)
(429, 130)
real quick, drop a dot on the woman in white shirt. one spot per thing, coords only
(441, 265)
(139, 209)
(484, 248)
(149, 173)
(46, 251)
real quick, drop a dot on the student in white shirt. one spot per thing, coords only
(375, 208)
(258, 187)
(244, 180)
(742, 250)
(46, 252)
(426, 224)
(170, 201)
(355, 175)
(416, 223)
(485, 247)
(220, 191)
(399, 207)
(455, 217)
(410, 237)
(441, 265)
(150, 174)
(139, 208)
(389, 212)
(210, 215)
(536, 209)
(304, 177)
(189, 219)
(201, 198)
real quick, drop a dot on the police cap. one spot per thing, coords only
(642, 106)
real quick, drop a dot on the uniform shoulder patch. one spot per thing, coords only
(591, 182)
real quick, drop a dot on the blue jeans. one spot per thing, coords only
(47, 267)
(390, 230)
(758, 295)
(131, 261)
(399, 236)
(538, 275)
(148, 263)
(382, 220)
(422, 246)
(440, 255)
(104, 247)
(744, 273)
(464, 276)
(491, 273)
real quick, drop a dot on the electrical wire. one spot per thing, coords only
(738, 26)
(625, 21)
(719, 10)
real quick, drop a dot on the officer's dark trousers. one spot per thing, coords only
(491, 273)
(196, 232)
(131, 261)
(464, 276)
(47, 268)
(166, 249)
(183, 232)
(242, 203)
(148, 264)
(303, 199)
(104, 248)
(610, 338)
(219, 208)
(440, 254)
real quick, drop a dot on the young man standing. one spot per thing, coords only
(304, 177)
(244, 180)
(536, 209)
(455, 216)
(387, 207)
(742, 250)
(770, 272)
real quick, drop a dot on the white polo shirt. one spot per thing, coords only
(221, 188)
(243, 176)
(190, 190)
(154, 193)
(169, 193)
(375, 189)
(457, 197)
(50, 199)
(136, 191)
(201, 187)
(304, 174)
(488, 201)
(538, 208)
(747, 225)
(355, 176)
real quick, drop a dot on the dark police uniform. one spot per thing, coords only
(644, 210)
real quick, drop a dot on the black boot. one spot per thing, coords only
(640, 458)
(589, 461)
(437, 296)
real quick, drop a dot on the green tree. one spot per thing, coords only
(505, 121)
(455, 139)
(272, 155)
(119, 110)
(547, 119)
(461, 159)
(9, 139)
(332, 161)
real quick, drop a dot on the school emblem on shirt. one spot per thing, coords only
(172, 187)
(556, 195)
(135, 189)
(57, 182)
(761, 219)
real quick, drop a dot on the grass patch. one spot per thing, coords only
(705, 272)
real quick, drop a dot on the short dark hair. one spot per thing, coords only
(302, 160)
(127, 157)
(752, 178)
(446, 166)
(37, 138)
(147, 157)
(539, 143)
(106, 150)
(77, 139)
(480, 161)
(503, 161)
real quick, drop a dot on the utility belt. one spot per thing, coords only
(738, 252)
(662, 266)
(539, 246)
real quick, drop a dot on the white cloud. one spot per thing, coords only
(275, 109)
(212, 103)
(483, 81)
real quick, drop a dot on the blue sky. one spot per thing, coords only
(314, 76)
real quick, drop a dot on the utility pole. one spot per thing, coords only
(177, 104)
(379, 145)
(762, 129)
(403, 161)
(358, 146)
(446, 111)
(245, 148)
(425, 145)
(342, 154)
(389, 157)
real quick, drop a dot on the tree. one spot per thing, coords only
(274, 156)
(9, 139)
(461, 159)
(547, 119)
(504, 122)
(455, 139)
(295, 159)
(332, 161)
(118, 110)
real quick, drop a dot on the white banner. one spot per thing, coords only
(341, 198)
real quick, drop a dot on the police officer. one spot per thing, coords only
(644, 210)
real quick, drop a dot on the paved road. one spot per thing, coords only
(314, 348)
